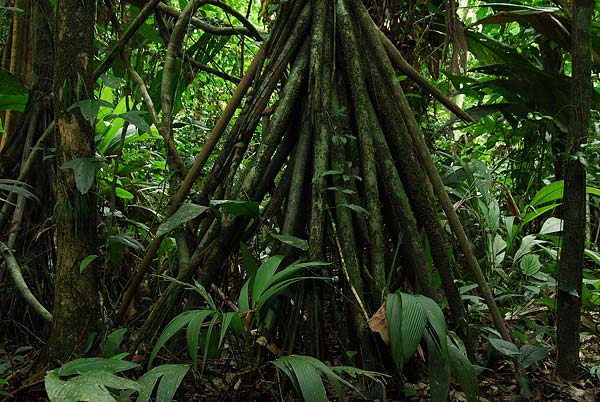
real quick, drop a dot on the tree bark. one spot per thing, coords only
(570, 272)
(75, 301)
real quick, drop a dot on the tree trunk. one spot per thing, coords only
(570, 271)
(75, 302)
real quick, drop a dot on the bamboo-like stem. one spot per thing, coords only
(426, 161)
(364, 126)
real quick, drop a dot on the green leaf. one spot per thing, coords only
(505, 347)
(184, 214)
(264, 275)
(291, 240)
(110, 347)
(435, 319)
(249, 262)
(87, 261)
(527, 244)
(84, 170)
(550, 192)
(238, 208)
(531, 354)
(552, 225)
(464, 372)
(356, 208)
(170, 376)
(133, 117)
(193, 332)
(172, 328)
(537, 212)
(413, 325)
(126, 240)
(530, 264)
(13, 94)
(394, 320)
(88, 386)
(18, 187)
(89, 108)
(123, 194)
(439, 368)
(81, 366)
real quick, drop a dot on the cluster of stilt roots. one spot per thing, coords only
(341, 162)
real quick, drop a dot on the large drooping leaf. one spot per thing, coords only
(110, 347)
(439, 367)
(237, 208)
(168, 376)
(264, 275)
(530, 264)
(413, 325)
(291, 240)
(89, 108)
(184, 214)
(531, 354)
(13, 94)
(172, 328)
(193, 333)
(394, 322)
(84, 170)
(133, 117)
(464, 371)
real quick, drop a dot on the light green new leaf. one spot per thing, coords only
(552, 225)
(184, 214)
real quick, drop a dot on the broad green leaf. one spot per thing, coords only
(530, 264)
(552, 225)
(291, 240)
(184, 214)
(413, 324)
(505, 347)
(464, 372)
(89, 108)
(81, 366)
(277, 288)
(531, 354)
(526, 246)
(264, 275)
(170, 376)
(244, 299)
(172, 328)
(210, 336)
(89, 386)
(394, 318)
(123, 194)
(13, 94)
(87, 261)
(594, 256)
(84, 170)
(133, 117)
(110, 347)
(548, 193)
(226, 319)
(238, 208)
(537, 212)
(435, 318)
